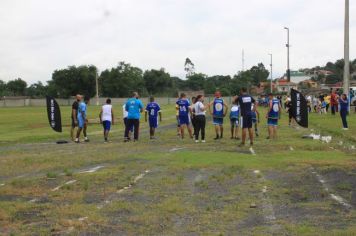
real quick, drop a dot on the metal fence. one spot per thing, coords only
(29, 102)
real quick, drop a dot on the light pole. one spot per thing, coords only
(347, 49)
(288, 46)
(97, 87)
(271, 71)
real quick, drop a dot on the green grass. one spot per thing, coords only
(200, 189)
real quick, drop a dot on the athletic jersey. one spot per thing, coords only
(106, 115)
(274, 111)
(183, 105)
(235, 112)
(245, 102)
(152, 109)
(218, 110)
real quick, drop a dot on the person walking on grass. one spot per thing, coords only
(124, 115)
(245, 102)
(344, 110)
(153, 110)
(82, 119)
(234, 119)
(273, 115)
(200, 120)
(218, 113)
(134, 107)
(183, 107)
(74, 115)
(106, 117)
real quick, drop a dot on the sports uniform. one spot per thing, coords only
(245, 102)
(218, 111)
(153, 109)
(106, 116)
(234, 116)
(273, 114)
(183, 111)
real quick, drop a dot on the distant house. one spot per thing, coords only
(283, 86)
(297, 77)
(309, 84)
(324, 72)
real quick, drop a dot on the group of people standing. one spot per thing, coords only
(191, 116)
(335, 101)
(243, 114)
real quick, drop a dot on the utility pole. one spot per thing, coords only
(271, 71)
(243, 60)
(347, 50)
(97, 87)
(288, 62)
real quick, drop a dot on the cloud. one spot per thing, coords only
(39, 36)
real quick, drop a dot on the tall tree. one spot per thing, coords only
(157, 81)
(121, 81)
(196, 81)
(16, 87)
(37, 90)
(73, 80)
(2, 88)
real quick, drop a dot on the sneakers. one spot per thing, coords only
(77, 140)
(86, 139)
(196, 141)
(345, 128)
(203, 141)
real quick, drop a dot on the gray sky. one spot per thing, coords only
(39, 36)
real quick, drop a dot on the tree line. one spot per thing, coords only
(125, 78)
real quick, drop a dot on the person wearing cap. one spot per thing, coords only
(219, 112)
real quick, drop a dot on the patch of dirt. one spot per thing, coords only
(343, 182)
(299, 198)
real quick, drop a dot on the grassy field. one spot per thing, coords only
(291, 186)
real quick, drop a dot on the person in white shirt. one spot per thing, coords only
(106, 117)
(199, 117)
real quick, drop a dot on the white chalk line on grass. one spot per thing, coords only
(61, 186)
(111, 198)
(2, 185)
(327, 189)
(267, 207)
(91, 170)
(176, 149)
(252, 151)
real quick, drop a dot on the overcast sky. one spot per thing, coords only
(39, 36)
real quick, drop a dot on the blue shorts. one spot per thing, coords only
(272, 122)
(218, 121)
(153, 122)
(131, 129)
(234, 122)
(81, 122)
(107, 125)
(184, 120)
(246, 122)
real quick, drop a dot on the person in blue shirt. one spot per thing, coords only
(219, 112)
(234, 119)
(273, 115)
(344, 109)
(153, 110)
(82, 119)
(134, 108)
(184, 111)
